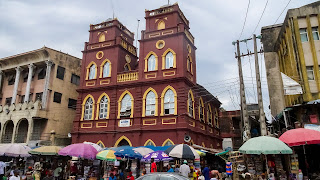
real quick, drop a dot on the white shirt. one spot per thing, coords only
(201, 177)
(14, 178)
(184, 170)
(2, 166)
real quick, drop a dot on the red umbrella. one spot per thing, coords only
(300, 136)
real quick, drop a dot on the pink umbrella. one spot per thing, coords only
(80, 150)
(300, 136)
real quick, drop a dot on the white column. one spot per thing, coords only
(1, 76)
(14, 133)
(27, 94)
(46, 84)
(30, 130)
(16, 84)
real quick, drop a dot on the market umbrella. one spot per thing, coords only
(143, 150)
(265, 145)
(45, 150)
(183, 151)
(106, 155)
(201, 153)
(15, 150)
(127, 152)
(157, 156)
(158, 148)
(96, 146)
(80, 150)
(300, 136)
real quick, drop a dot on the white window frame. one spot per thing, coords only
(303, 33)
(151, 63)
(88, 109)
(150, 104)
(106, 70)
(310, 70)
(103, 111)
(169, 102)
(169, 60)
(126, 103)
(315, 32)
(92, 72)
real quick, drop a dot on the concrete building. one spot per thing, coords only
(38, 96)
(154, 101)
(230, 124)
(293, 48)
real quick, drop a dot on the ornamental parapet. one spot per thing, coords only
(128, 76)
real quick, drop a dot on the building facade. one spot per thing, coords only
(38, 96)
(293, 48)
(151, 101)
(230, 123)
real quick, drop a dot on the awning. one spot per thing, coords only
(280, 115)
(210, 150)
(222, 153)
(290, 86)
(317, 101)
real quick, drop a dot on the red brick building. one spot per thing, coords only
(151, 101)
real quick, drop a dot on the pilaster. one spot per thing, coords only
(16, 85)
(27, 94)
(46, 84)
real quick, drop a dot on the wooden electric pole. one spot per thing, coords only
(263, 127)
(244, 110)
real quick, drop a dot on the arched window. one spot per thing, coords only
(190, 104)
(102, 37)
(169, 60)
(103, 111)
(106, 70)
(149, 142)
(167, 142)
(216, 117)
(189, 64)
(161, 25)
(169, 102)
(151, 63)
(125, 109)
(201, 110)
(209, 115)
(88, 109)
(92, 71)
(150, 104)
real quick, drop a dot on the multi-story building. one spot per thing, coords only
(230, 123)
(293, 49)
(38, 96)
(151, 101)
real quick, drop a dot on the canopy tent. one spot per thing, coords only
(290, 86)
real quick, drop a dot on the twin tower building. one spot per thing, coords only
(153, 99)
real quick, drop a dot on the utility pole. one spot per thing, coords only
(244, 110)
(262, 118)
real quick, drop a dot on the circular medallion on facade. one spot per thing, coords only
(189, 48)
(99, 55)
(128, 58)
(160, 44)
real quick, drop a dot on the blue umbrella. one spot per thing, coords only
(127, 152)
(157, 156)
(158, 148)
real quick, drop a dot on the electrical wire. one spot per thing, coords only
(245, 20)
(282, 12)
(264, 9)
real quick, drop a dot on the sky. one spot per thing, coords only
(215, 24)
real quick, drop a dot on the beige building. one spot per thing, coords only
(293, 49)
(38, 96)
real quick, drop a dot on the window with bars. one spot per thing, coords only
(60, 72)
(310, 72)
(88, 109)
(315, 33)
(75, 79)
(169, 60)
(169, 102)
(150, 104)
(151, 63)
(103, 112)
(125, 109)
(190, 104)
(303, 34)
(72, 104)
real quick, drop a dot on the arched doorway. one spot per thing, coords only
(7, 132)
(22, 131)
(123, 141)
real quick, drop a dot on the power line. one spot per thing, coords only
(245, 20)
(283, 11)
(265, 6)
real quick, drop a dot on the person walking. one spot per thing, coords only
(112, 177)
(206, 173)
(171, 169)
(2, 169)
(15, 175)
(153, 166)
(185, 169)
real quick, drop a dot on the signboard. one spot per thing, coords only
(124, 123)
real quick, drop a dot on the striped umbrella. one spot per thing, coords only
(106, 155)
(182, 151)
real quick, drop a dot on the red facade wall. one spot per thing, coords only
(157, 128)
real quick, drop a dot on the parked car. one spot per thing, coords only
(162, 176)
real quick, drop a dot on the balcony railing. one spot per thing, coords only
(130, 76)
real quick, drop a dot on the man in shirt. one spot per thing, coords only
(206, 173)
(153, 166)
(2, 166)
(15, 175)
(185, 169)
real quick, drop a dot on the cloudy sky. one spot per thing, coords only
(63, 25)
